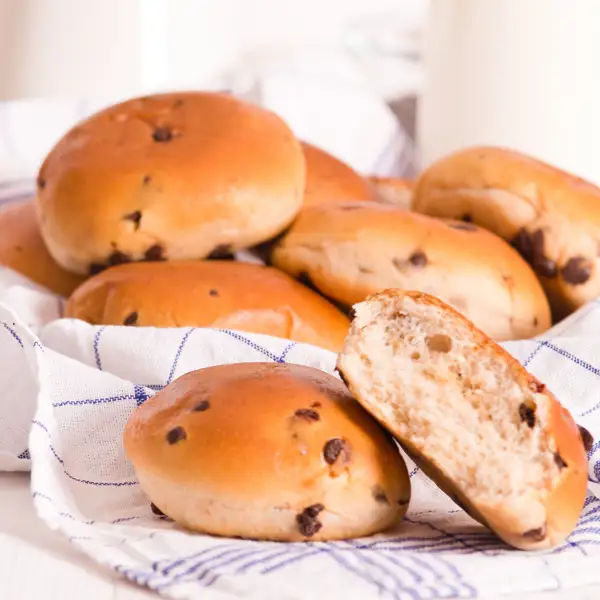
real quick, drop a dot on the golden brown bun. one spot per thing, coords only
(22, 249)
(171, 176)
(550, 216)
(485, 430)
(392, 190)
(267, 451)
(220, 294)
(351, 250)
(328, 179)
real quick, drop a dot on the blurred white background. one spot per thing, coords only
(80, 56)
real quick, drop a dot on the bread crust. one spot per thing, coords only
(550, 216)
(267, 451)
(351, 250)
(392, 190)
(170, 176)
(328, 179)
(22, 249)
(555, 510)
(220, 294)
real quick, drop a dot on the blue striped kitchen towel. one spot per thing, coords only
(78, 384)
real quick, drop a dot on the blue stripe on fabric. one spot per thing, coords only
(97, 347)
(178, 353)
(13, 333)
(85, 481)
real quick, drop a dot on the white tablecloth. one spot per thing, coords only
(37, 563)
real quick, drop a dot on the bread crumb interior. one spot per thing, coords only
(452, 398)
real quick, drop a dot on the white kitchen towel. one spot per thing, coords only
(86, 382)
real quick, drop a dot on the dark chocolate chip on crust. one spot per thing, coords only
(162, 134)
(535, 321)
(222, 251)
(559, 460)
(541, 264)
(308, 414)
(577, 270)
(178, 103)
(147, 179)
(175, 435)
(536, 535)
(467, 218)
(213, 293)
(463, 226)
(156, 510)
(96, 268)
(131, 319)
(523, 245)
(316, 405)
(155, 253)
(336, 450)
(135, 217)
(587, 438)
(202, 406)
(119, 258)
(527, 415)
(379, 495)
(41, 183)
(418, 259)
(307, 520)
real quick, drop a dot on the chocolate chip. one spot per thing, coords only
(587, 438)
(537, 387)
(527, 415)
(175, 435)
(162, 134)
(341, 375)
(41, 183)
(335, 449)
(559, 460)
(156, 510)
(523, 245)
(222, 251)
(467, 218)
(178, 103)
(418, 259)
(577, 270)
(307, 414)
(201, 406)
(316, 405)
(118, 258)
(96, 268)
(363, 269)
(379, 495)
(535, 321)
(541, 265)
(147, 179)
(308, 524)
(463, 226)
(131, 319)
(136, 217)
(213, 293)
(439, 342)
(155, 253)
(536, 535)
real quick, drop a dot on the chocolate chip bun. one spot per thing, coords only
(391, 190)
(267, 451)
(488, 433)
(351, 250)
(22, 249)
(328, 179)
(220, 294)
(551, 217)
(171, 176)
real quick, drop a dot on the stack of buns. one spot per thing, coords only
(140, 216)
